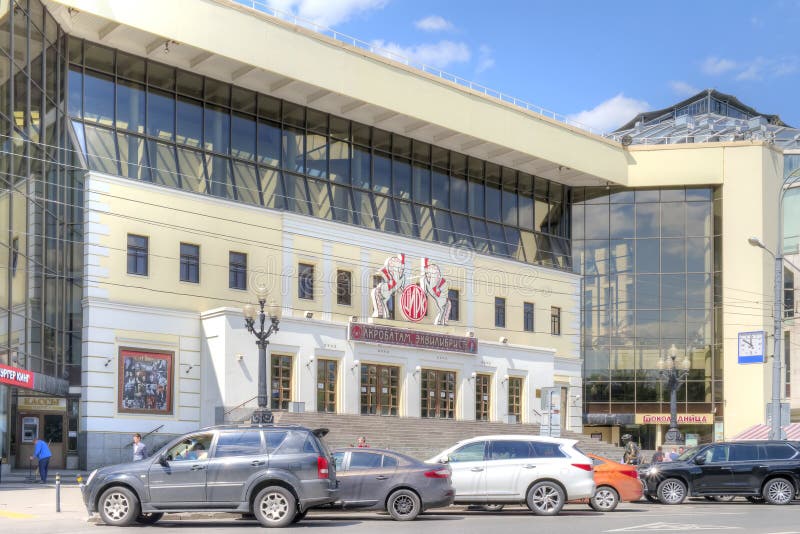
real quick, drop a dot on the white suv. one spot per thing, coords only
(542, 472)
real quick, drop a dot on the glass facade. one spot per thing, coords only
(650, 260)
(40, 202)
(147, 121)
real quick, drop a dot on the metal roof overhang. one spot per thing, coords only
(230, 42)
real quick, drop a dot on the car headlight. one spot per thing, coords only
(91, 476)
(652, 471)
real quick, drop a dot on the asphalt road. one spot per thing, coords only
(694, 515)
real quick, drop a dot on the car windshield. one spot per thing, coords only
(688, 454)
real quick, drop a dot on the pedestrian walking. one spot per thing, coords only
(139, 448)
(42, 454)
(658, 456)
(631, 455)
(673, 455)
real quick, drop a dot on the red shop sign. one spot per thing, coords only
(16, 377)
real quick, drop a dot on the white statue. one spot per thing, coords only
(435, 286)
(394, 280)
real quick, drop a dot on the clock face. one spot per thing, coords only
(751, 343)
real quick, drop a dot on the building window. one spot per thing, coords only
(237, 270)
(528, 316)
(438, 394)
(137, 254)
(281, 382)
(515, 397)
(452, 296)
(555, 321)
(344, 287)
(14, 255)
(500, 312)
(190, 263)
(305, 281)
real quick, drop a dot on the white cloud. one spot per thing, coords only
(326, 12)
(434, 23)
(683, 88)
(760, 68)
(485, 59)
(439, 54)
(717, 65)
(612, 113)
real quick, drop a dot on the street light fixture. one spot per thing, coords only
(674, 373)
(256, 323)
(775, 416)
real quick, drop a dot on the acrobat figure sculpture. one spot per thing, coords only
(435, 286)
(394, 280)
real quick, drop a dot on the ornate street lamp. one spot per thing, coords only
(256, 321)
(674, 373)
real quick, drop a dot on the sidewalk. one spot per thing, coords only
(30, 507)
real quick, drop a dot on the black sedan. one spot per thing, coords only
(757, 470)
(379, 479)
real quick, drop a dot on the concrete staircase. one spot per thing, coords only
(422, 438)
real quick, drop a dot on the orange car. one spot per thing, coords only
(615, 482)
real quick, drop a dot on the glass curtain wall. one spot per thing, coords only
(650, 260)
(40, 200)
(147, 121)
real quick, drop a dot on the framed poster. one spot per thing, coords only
(145, 381)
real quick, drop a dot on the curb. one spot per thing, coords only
(94, 519)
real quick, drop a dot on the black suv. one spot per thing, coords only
(758, 470)
(275, 473)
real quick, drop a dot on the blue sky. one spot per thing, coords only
(600, 62)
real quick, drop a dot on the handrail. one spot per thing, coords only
(240, 405)
(156, 429)
(262, 7)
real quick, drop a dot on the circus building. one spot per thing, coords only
(458, 256)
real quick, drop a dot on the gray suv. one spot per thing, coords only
(276, 473)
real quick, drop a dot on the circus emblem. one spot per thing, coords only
(435, 286)
(414, 297)
(394, 280)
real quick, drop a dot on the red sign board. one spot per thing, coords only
(414, 303)
(371, 333)
(16, 377)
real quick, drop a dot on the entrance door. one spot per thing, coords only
(482, 397)
(281, 371)
(326, 386)
(438, 394)
(51, 427)
(379, 389)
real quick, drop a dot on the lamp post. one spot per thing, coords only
(775, 415)
(674, 373)
(256, 323)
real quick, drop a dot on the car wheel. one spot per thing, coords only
(605, 499)
(149, 518)
(403, 505)
(778, 491)
(545, 498)
(671, 491)
(275, 506)
(118, 506)
(299, 516)
(651, 498)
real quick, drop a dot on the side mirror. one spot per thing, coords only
(444, 460)
(162, 459)
(699, 460)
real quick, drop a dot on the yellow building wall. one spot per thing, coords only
(169, 217)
